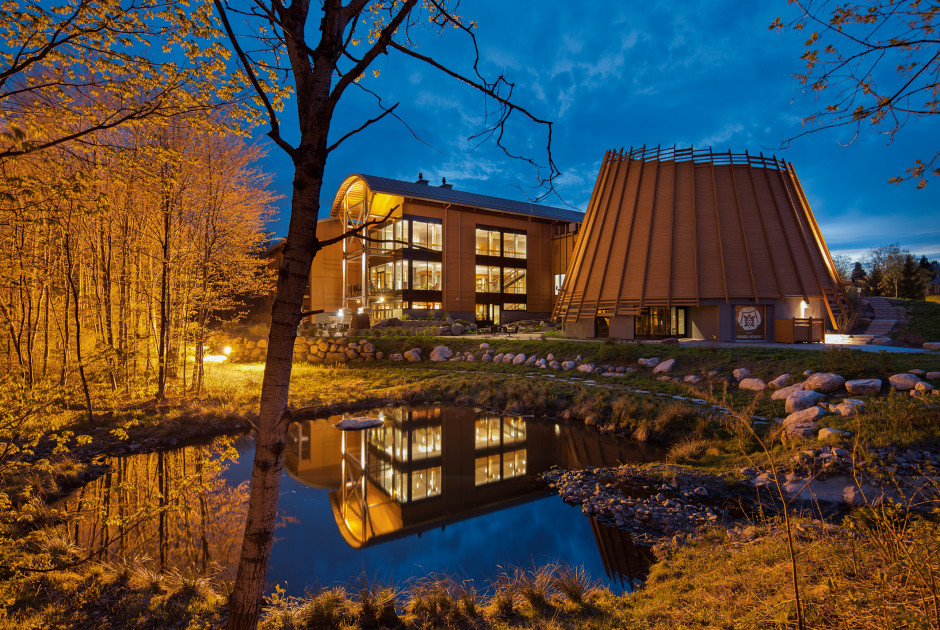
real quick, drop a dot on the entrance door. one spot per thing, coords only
(487, 314)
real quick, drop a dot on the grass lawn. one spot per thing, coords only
(922, 322)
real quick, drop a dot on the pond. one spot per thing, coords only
(434, 490)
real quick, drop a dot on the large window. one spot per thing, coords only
(488, 242)
(487, 279)
(425, 442)
(514, 281)
(427, 275)
(426, 235)
(661, 321)
(514, 245)
(425, 483)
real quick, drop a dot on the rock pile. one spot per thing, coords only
(637, 498)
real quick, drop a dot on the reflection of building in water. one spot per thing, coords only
(417, 471)
(412, 473)
(624, 561)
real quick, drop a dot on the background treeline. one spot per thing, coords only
(890, 271)
(119, 251)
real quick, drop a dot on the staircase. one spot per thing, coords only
(886, 317)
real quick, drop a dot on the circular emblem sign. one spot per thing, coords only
(749, 318)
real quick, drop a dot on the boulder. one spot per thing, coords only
(781, 381)
(692, 379)
(441, 353)
(741, 373)
(932, 376)
(803, 416)
(932, 345)
(586, 367)
(519, 359)
(484, 346)
(531, 360)
(828, 434)
(650, 363)
(918, 372)
(802, 431)
(471, 358)
(825, 382)
(508, 357)
(555, 365)
(904, 382)
(847, 407)
(670, 341)
(752, 384)
(550, 357)
(805, 399)
(613, 374)
(881, 341)
(923, 387)
(487, 358)
(864, 386)
(457, 329)
(335, 357)
(379, 355)
(786, 392)
(323, 345)
(664, 366)
(497, 358)
(413, 355)
(351, 353)
(568, 365)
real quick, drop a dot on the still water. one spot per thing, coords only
(435, 489)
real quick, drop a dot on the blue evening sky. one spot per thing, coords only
(613, 75)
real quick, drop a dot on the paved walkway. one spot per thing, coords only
(886, 316)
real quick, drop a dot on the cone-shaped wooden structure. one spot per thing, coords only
(684, 227)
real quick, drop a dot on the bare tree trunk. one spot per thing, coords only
(78, 326)
(163, 349)
(274, 417)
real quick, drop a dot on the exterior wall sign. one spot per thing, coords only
(749, 322)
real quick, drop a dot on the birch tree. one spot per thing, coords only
(324, 50)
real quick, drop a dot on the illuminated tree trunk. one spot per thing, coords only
(274, 418)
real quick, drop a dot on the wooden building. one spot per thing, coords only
(439, 250)
(691, 243)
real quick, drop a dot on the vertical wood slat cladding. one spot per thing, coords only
(732, 238)
(705, 227)
(657, 281)
(684, 276)
(711, 284)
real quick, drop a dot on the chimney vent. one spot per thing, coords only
(444, 183)
(421, 179)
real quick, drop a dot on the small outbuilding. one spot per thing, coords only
(692, 243)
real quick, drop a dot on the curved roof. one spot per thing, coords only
(439, 194)
(674, 227)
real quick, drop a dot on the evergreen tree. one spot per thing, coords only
(912, 285)
(874, 280)
(928, 268)
(858, 275)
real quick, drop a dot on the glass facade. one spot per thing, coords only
(661, 321)
(405, 266)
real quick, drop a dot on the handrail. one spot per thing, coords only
(697, 156)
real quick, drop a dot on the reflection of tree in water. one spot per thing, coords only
(174, 508)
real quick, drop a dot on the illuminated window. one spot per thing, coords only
(425, 483)
(425, 443)
(514, 245)
(427, 275)
(486, 469)
(487, 279)
(559, 281)
(486, 432)
(428, 306)
(513, 430)
(514, 281)
(488, 242)
(514, 464)
(516, 306)
(426, 235)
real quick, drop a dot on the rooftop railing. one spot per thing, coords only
(697, 156)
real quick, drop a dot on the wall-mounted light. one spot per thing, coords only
(227, 350)
(339, 313)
